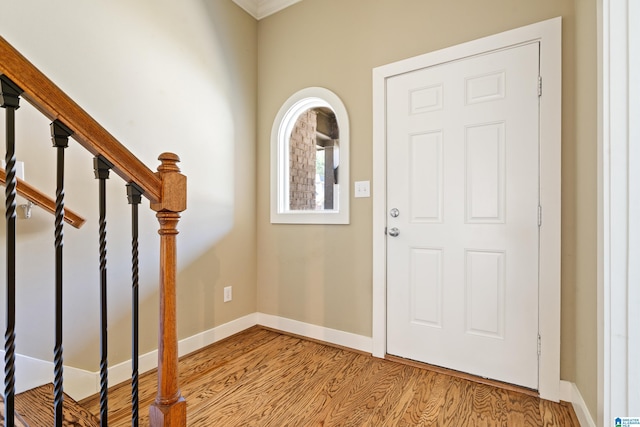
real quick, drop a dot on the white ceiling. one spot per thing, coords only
(262, 8)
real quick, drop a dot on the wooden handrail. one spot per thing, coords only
(166, 189)
(43, 94)
(38, 198)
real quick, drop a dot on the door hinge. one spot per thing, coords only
(539, 216)
(539, 345)
(539, 85)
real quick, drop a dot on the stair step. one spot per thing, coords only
(17, 419)
(36, 408)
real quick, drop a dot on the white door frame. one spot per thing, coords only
(548, 33)
(618, 205)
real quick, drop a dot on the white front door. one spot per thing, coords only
(462, 197)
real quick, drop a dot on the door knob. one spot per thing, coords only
(394, 212)
(394, 232)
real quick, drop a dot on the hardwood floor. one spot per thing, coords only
(264, 378)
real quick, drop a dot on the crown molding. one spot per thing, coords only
(262, 8)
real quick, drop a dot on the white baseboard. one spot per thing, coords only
(203, 339)
(122, 371)
(31, 373)
(332, 336)
(78, 383)
(569, 393)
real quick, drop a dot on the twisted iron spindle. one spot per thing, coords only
(60, 138)
(134, 195)
(101, 168)
(10, 101)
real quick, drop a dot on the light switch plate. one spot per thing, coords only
(362, 189)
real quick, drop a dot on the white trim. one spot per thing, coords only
(633, 290)
(569, 393)
(249, 6)
(283, 124)
(269, 7)
(262, 8)
(203, 339)
(548, 33)
(320, 333)
(566, 391)
(146, 362)
(79, 383)
(618, 206)
(32, 372)
(379, 288)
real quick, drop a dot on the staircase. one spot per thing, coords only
(36, 409)
(166, 191)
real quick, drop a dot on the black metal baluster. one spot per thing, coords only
(101, 167)
(60, 138)
(10, 101)
(134, 194)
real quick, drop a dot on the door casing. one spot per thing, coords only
(548, 33)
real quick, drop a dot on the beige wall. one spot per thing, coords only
(207, 79)
(231, 261)
(322, 274)
(161, 76)
(584, 196)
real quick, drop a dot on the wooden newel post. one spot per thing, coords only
(169, 408)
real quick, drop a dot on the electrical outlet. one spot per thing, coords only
(362, 189)
(228, 296)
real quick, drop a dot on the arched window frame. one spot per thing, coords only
(298, 103)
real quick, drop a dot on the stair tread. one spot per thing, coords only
(17, 419)
(36, 408)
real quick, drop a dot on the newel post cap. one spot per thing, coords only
(174, 185)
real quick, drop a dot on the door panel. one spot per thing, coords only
(462, 170)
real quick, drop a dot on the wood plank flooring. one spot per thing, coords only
(264, 378)
(36, 407)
